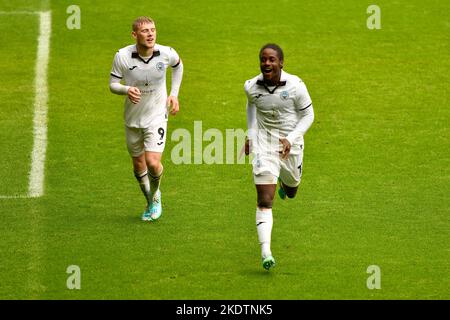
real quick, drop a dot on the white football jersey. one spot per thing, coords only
(277, 109)
(149, 75)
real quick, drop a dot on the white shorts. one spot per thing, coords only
(267, 168)
(151, 139)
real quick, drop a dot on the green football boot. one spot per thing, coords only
(268, 262)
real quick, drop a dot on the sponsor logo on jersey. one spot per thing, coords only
(132, 67)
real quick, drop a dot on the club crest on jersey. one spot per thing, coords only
(284, 95)
(160, 66)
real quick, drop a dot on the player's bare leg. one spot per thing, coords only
(285, 190)
(155, 171)
(264, 222)
(141, 174)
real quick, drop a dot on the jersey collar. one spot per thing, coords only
(135, 55)
(282, 83)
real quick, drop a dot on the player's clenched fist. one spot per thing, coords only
(285, 148)
(134, 94)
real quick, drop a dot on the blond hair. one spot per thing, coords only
(140, 21)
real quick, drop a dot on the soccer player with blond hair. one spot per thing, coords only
(139, 73)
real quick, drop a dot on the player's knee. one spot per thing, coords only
(139, 164)
(291, 192)
(153, 163)
(265, 202)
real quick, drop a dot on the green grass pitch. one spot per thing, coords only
(376, 183)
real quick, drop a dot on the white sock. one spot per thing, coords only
(264, 222)
(155, 182)
(144, 183)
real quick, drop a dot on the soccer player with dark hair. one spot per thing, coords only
(139, 72)
(279, 112)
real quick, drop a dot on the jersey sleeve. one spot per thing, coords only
(247, 85)
(117, 67)
(303, 100)
(251, 112)
(174, 58)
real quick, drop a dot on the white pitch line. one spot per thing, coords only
(37, 172)
(19, 196)
(19, 12)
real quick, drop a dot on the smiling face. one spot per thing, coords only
(270, 65)
(145, 35)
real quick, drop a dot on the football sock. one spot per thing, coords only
(264, 222)
(155, 182)
(144, 183)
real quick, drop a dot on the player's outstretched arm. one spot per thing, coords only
(172, 100)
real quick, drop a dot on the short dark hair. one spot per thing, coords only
(275, 47)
